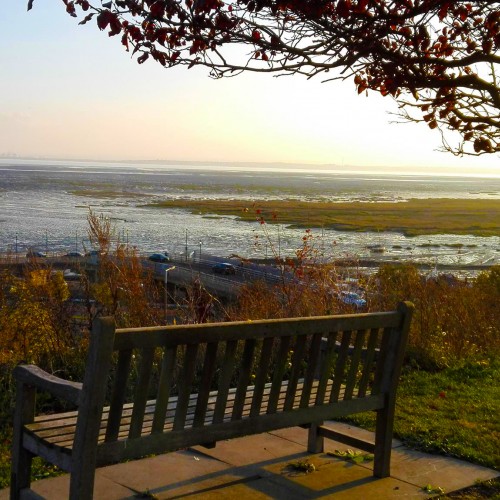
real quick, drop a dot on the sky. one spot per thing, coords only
(69, 91)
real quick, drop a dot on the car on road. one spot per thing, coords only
(224, 268)
(352, 298)
(33, 254)
(158, 257)
(75, 255)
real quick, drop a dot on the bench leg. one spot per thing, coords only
(81, 486)
(315, 442)
(21, 458)
(383, 442)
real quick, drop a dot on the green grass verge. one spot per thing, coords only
(414, 217)
(454, 412)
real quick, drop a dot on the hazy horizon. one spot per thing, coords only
(276, 166)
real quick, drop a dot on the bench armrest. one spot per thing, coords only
(34, 376)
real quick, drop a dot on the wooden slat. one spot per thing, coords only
(353, 368)
(205, 384)
(141, 392)
(185, 383)
(118, 395)
(245, 369)
(241, 330)
(164, 387)
(313, 360)
(297, 360)
(338, 374)
(368, 362)
(225, 380)
(326, 368)
(381, 368)
(279, 371)
(261, 375)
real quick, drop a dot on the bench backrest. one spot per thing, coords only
(197, 383)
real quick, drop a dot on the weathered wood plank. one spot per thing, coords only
(118, 395)
(141, 392)
(225, 380)
(340, 364)
(245, 370)
(209, 366)
(368, 362)
(353, 368)
(34, 376)
(297, 360)
(164, 387)
(261, 375)
(313, 361)
(327, 363)
(241, 330)
(90, 411)
(185, 383)
(279, 372)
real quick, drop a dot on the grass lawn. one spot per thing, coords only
(453, 412)
(414, 217)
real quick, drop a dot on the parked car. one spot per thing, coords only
(158, 257)
(352, 298)
(224, 268)
(75, 255)
(33, 254)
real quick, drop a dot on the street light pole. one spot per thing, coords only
(186, 246)
(16, 247)
(166, 290)
(199, 258)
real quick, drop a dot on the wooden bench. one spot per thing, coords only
(154, 390)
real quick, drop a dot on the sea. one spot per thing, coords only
(44, 206)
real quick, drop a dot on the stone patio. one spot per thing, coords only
(258, 467)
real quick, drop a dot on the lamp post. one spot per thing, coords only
(166, 289)
(76, 240)
(186, 254)
(46, 243)
(199, 255)
(16, 247)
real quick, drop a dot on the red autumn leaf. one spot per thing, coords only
(143, 58)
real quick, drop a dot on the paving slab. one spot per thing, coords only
(57, 488)
(253, 449)
(258, 467)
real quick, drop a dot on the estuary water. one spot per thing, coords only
(44, 206)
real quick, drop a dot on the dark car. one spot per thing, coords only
(158, 257)
(74, 254)
(224, 268)
(33, 254)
